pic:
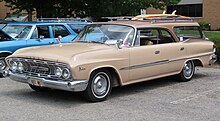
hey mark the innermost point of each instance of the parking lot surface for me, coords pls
(156, 100)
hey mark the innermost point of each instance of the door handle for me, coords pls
(157, 52)
(51, 42)
(182, 48)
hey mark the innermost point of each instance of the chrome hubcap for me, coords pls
(188, 69)
(100, 86)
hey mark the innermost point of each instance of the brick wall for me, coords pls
(211, 13)
(3, 10)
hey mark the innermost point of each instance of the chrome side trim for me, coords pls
(184, 58)
(74, 85)
(145, 65)
(161, 62)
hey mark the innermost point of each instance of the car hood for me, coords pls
(60, 52)
(4, 36)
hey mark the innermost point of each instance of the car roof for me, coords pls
(143, 24)
(44, 23)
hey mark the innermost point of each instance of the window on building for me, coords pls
(191, 10)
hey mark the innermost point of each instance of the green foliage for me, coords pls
(215, 37)
(218, 27)
(82, 8)
(204, 24)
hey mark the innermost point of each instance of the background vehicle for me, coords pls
(27, 34)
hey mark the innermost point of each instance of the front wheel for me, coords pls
(99, 86)
(187, 72)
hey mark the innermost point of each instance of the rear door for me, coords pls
(151, 55)
(62, 31)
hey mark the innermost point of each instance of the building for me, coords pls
(199, 10)
(6, 11)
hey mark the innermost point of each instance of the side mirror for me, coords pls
(181, 39)
(206, 38)
(119, 43)
(59, 39)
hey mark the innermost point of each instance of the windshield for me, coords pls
(107, 34)
(2, 25)
(17, 31)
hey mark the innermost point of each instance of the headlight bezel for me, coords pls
(20, 67)
(13, 66)
(59, 70)
(66, 75)
(2, 64)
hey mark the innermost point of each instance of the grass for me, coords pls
(215, 37)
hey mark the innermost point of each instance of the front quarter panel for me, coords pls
(84, 64)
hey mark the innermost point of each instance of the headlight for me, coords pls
(14, 66)
(58, 72)
(20, 67)
(2, 64)
(66, 73)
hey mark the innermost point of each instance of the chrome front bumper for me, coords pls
(75, 85)
(213, 58)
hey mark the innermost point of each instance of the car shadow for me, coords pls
(67, 99)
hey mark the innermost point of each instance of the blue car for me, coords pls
(16, 35)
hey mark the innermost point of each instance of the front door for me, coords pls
(41, 36)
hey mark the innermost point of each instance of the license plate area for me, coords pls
(36, 82)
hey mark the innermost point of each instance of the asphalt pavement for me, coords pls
(156, 100)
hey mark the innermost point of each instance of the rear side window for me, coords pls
(186, 32)
(77, 27)
(43, 32)
(153, 36)
(59, 30)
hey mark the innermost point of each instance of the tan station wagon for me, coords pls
(112, 54)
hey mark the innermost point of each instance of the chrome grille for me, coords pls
(39, 68)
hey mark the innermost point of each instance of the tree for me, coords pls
(83, 8)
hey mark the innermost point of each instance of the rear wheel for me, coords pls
(187, 72)
(39, 89)
(99, 87)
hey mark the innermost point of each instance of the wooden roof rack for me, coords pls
(162, 18)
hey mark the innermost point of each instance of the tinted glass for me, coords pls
(43, 32)
(59, 30)
(77, 27)
(191, 10)
(17, 31)
(188, 32)
(108, 34)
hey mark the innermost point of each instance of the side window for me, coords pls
(59, 30)
(43, 32)
(77, 27)
(147, 37)
(34, 34)
(165, 37)
(153, 36)
(187, 32)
